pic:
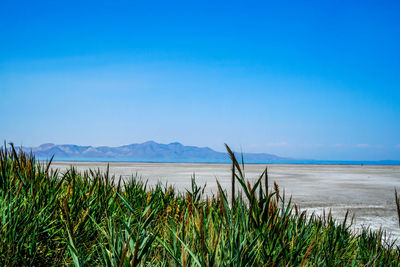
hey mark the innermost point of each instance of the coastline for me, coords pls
(281, 162)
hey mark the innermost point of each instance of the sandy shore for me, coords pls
(366, 191)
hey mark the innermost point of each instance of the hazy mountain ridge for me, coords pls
(147, 151)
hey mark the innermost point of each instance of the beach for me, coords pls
(366, 191)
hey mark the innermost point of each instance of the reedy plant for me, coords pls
(92, 218)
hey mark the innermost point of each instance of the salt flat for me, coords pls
(366, 191)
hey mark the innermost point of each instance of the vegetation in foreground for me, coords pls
(48, 218)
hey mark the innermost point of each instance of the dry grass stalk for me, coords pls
(233, 184)
(397, 205)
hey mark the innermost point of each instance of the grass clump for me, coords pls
(90, 218)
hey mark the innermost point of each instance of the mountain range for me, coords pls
(145, 152)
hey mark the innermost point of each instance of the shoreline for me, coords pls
(311, 163)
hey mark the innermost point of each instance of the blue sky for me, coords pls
(311, 79)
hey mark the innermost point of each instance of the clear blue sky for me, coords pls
(308, 79)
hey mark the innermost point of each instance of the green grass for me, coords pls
(90, 218)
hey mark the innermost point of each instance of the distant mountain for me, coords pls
(145, 152)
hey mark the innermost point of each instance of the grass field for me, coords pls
(90, 218)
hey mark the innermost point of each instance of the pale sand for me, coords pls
(366, 191)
